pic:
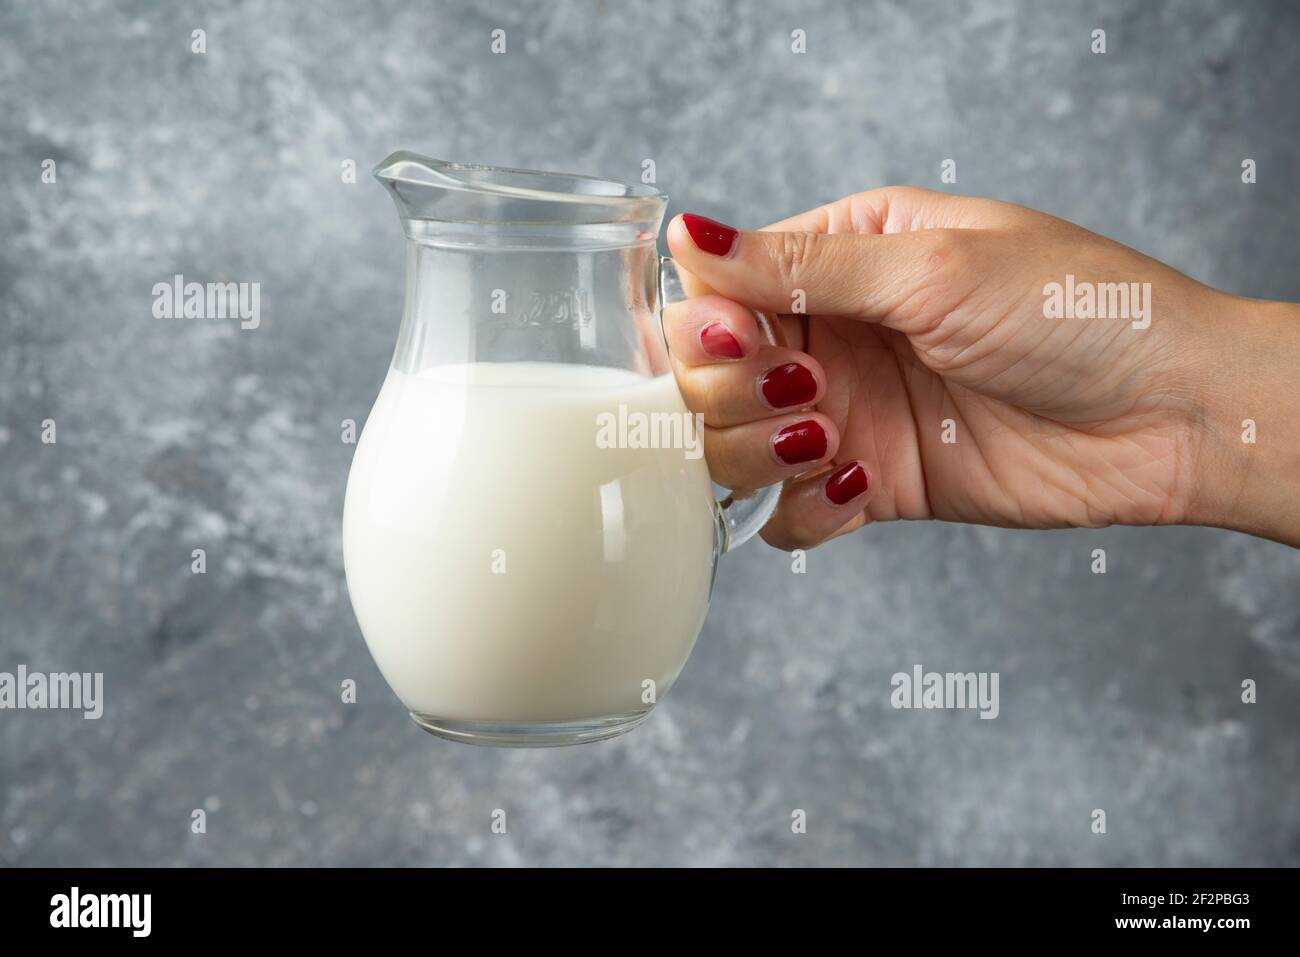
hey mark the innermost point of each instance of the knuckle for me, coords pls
(789, 532)
(676, 318)
(890, 209)
(803, 536)
(708, 402)
(898, 202)
(723, 460)
(775, 536)
(696, 399)
(788, 539)
(794, 254)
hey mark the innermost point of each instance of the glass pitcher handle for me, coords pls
(739, 518)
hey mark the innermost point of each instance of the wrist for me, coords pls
(1247, 473)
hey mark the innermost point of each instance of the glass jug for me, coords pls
(529, 531)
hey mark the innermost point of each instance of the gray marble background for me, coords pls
(1118, 691)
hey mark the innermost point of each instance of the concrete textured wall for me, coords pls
(1119, 691)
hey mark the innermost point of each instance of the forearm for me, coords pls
(1248, 458)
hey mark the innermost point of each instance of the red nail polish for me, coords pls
(720, 342)
(787, 385)
(846, 483)
(802, 442)
(709, 236)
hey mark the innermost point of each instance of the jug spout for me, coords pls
(467, 204)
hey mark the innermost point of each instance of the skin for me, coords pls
(923, 314)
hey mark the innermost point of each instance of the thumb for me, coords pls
(865, 277)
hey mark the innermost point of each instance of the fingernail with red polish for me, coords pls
(802, 442)
(709, 236)
(787, 385)
(720, 342)
(846, 483)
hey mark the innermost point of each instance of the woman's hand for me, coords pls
(937, 364)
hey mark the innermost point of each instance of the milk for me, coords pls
(502, 566)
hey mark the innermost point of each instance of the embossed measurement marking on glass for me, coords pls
(557, 306)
